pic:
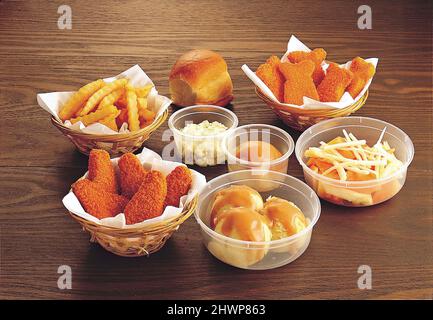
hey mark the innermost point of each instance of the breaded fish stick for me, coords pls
(101, 171)
(333, 86)
(132, 174)
(178, 183)
(299, 82)
(362, 72)
(270, 74)
(317, 56)
(148, 201)
(96, 201)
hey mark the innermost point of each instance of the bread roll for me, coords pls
(233, 197)
(242, 224)
(200, 77)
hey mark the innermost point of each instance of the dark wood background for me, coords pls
(38, 164)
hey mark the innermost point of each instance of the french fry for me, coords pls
(110, 121)
(121, 102)
(79, 98)
(93, 117)
(146, 115)
(142, 92)
(100, 94)
(141, 104)
(122, 117)
(111, 98)
(131, 100)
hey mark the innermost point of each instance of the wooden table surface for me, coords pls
(38, 164)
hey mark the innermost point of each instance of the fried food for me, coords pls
(78, 99)
(143, 92)
(178, 183)
(111, 104)
(100, 94)
(270, 74)
(333, 86)
(132, 174)
(111, 98)
(317, 56)
(110, 121)
(101, 171)
(122, 117)
(299, 82)
(148, 201)
(131, 106)
(146, 116)
(96, 116)
(97, 201)
(362, 72)
(141, 104)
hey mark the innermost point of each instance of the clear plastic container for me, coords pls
(258, 255)
(201, 150)
(239, 160)
(356, 193)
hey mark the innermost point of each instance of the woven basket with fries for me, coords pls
(114, 144)
(139, 241)
(300, 119)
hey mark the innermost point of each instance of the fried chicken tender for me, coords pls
(333, 86)
(178, 183)
(317, 56)
(299, 81)
(362, 72)
(132, 174)
(148, 201)
(270, 74)
(101, 171)
(96, 201)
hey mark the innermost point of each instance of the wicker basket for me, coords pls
(136, 242)
(301, 119)
(114, 144)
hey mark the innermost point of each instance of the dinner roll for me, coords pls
(233, 197)
(200, 77)
(241, 224)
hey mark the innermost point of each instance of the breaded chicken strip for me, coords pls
(101, 171)
(96, 201)
(317, 56)
(132, 174)
(333, 86)
(148, 201)
(178, 183)
(270, 74)
(362, 72)
(299, 82)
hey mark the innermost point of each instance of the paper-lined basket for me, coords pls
(98, 136)
(312, 111)
(142, 238)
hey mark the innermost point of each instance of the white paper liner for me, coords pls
(296, 45)
(52, 101)
(150, 160)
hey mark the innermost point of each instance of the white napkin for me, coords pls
(295, 44)
(52, 101)
(150, 160)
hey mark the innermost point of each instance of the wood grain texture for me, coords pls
(37, 164)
